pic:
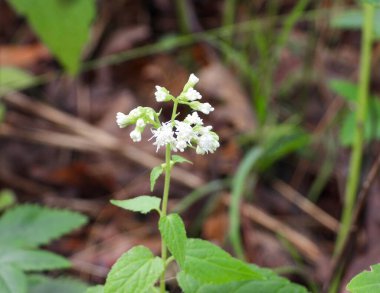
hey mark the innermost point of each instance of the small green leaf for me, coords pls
(7, 198)
(12, 79)
(142, 204)
(95, 289)
(12, 280)
(180, 159)
(32, 260)
(32, 225)
(210, 264)
(64, 26)
(134, 272)
(366, 282)
(345, 89)
(43, 284)
(173, 232)
(353, 19)
(156, 172)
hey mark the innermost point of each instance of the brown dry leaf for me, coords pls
(23, 56)
(218, 82)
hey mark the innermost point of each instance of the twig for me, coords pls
(305, 245)
(306, 205)
(101, 138)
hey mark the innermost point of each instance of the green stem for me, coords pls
(165, 198)
(361, 111)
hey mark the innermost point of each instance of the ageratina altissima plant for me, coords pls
(174, 134)
(201, 266)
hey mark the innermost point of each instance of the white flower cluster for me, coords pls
(177, 134)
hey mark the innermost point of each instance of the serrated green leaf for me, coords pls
(353, 19)
(64, 26)
(95, 289)
(32, 260)
(272, 284)
(32, 225)
(366, 282)
(142, 204)
(208, 263)
(173, 232)
(154, 174)
(43, 284)
(12, 280)
(134, 272)
(12, 79)
(180, 159)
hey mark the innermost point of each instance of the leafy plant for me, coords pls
(366, 282)
(22, 230)
(202, 265)
(65, 38)
(349, 91)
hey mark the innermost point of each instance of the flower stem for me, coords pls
(165, 198)
(361, 111)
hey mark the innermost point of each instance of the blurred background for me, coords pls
(282, 76)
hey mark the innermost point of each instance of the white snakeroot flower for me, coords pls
(122, 120)
(164, 135)
(184, 134)
(140, 123)
(207, 142)
(135, 135)
(193, 80)
(205, 108)
(194, 119)
(161, 94)
(193, 95)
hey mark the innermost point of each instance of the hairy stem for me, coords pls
(165, 198)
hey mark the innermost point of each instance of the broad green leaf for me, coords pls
(32, 260)
(156, 172)
(134, 272)
(43, 284)
(353, 19)
(63, 25)
(95, 289)
(180, 159)
(12, 78)
(173, 232)
(7, 198)
(12, 280)
(142, 204)
(272, 284)
(208, 263)
(32, 225)
(372, 2)
(366, 282)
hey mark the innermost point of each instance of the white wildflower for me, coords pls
(122, 120)
(135, 135)
(194, 119)
(184, 134)
(164, 135)
(193, 80)
(192, 95)
(161, 94)
(207, 142)
(206, 108)
(140, 123)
